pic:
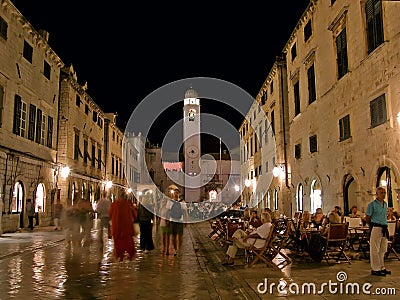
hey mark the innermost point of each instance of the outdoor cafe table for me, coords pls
(361, 234)
(315, 244)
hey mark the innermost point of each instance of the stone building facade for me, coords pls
(81, 143)
(339, 107)
(29, 79)
(343, 70)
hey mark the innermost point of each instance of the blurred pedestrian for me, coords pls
(376, 217)
(102, 209)
(58, 208)
(30, 212)
(146, 217)
(122, 227)
(178, 220)
(164, 227)
(86, 214)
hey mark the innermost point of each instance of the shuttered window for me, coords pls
(32, 122)
(373, 11)
(311, 84)
(344, 128)
(341, 53)
(49, 132)
(378, 111)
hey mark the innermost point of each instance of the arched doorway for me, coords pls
(299, 197)
(315, 195)
(385, 180)
(40, 197)
(17, 203)
(349, 193)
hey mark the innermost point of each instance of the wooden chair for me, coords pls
(264, 253)
(335, 242)
(392, 240)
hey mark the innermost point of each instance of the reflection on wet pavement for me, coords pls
(74, 271)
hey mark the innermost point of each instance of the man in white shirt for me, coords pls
(242, 240)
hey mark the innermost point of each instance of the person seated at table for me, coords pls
(253, 216)
(305, 224)
(242, 239)
(354, 213)
(246, 214)
(319, 218)
(334, 217)
(390, 214)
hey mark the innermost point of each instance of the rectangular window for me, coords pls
(100, 122)
(260, 135)
(116, 167)
(94, 116)
(307, 31)
(293, 51)
(32, 122)
(49, 132)
(85, 151)
(313, 144)
(43, 130)
(251, 146)
(112, 165)
(78, 101)
(264, 98)
(27, 52)
(296, 90)
(266, 167)
(19, 125)
(271, 87)
(341, 53)
(344, 128)
(297, 151)
(378, 111)
(46, 69)
(254, 114)
(266, 125)
(86, 109)
(273, 122)
(3, 28)
(93, 155)
(373, 11)
(99, 161)
(77, 151)
(311, 84)
(39, 116)
(1, 105)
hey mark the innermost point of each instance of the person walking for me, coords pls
(30, 212)
(86, 211)
(164, 227)
(102, 209)
(122, 227)
(58, 209)
(376, 217)
(146, 218)
(178, 219)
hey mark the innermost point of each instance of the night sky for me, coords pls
(125, 51)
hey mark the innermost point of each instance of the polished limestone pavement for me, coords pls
(41, 265)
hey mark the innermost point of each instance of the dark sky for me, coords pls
(126, 50)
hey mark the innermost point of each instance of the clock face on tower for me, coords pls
(192, 151)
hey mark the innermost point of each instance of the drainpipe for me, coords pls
(283, 122)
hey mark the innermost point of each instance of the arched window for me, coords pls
(315, 195)
(276, 199)
(39, 198)
(18, 197)
(299, 197)
(73, 194)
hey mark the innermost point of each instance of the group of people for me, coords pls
(119, 218)
(377, 217)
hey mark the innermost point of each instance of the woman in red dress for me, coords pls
(122, 227)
